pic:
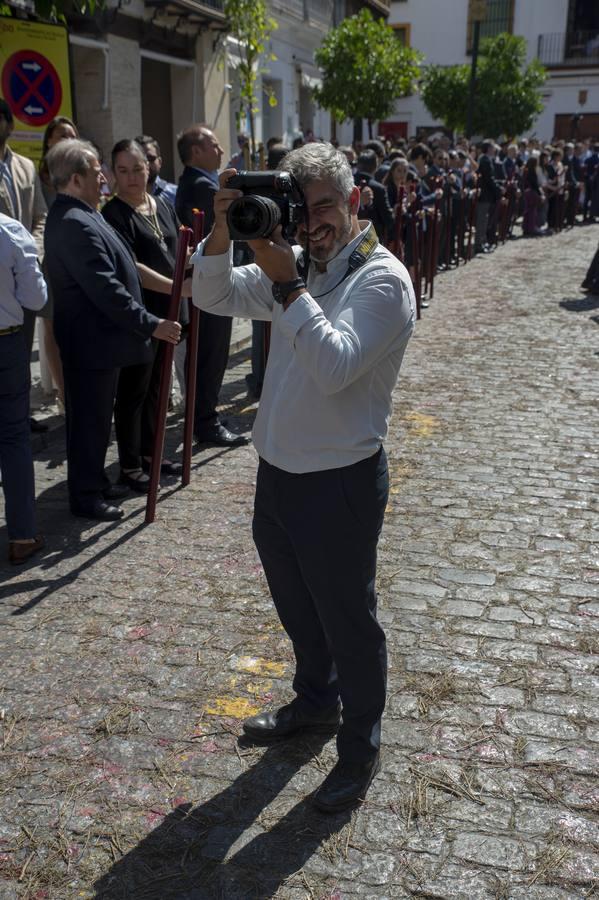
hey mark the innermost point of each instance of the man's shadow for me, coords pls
(222, 848)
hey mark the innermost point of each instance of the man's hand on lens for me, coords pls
(167, 331)
(223, 199)
(275, 257)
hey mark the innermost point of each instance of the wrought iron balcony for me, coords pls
(570, 48)
(194, 11)
(378, 7)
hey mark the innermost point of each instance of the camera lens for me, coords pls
(252, 217)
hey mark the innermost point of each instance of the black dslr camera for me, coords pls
(269, 199)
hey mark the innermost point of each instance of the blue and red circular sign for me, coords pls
(31, 87)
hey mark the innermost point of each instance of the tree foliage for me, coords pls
(57, 10)
(365, 69)
(507, 91)
(249, 23)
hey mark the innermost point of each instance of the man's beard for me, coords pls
(326, 256)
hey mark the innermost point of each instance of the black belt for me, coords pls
(11, 329)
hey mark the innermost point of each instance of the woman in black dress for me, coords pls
(149, 227)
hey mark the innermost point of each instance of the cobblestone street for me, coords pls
(129, 655)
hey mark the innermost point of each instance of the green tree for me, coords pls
(56, 9)
(507, 92)
(248, 21)
(365, 69)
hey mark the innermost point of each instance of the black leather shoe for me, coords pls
(166, 467)
(345, 785)
(222, 437)
(100, 510)
(281, 723)
(115, 492)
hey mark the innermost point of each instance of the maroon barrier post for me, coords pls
(448, 226)
(398, 249)
(425, 247)
(192, 361)
(435, 238)
(471, 218)
(165, 375)
(414, 213)
(461, 251)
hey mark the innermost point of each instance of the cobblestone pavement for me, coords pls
(129, 655)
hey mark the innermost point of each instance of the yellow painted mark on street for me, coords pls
(258, 687)
(398, 472)
(235, 707)
(258, 666)
(421, 424)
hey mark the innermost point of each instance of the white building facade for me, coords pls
(289, 77)
(563, 34)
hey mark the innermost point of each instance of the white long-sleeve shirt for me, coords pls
(333, 362)
(22, 284)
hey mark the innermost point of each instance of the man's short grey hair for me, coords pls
(68, 158)
(319, 161)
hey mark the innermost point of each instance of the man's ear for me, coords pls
(354, 200)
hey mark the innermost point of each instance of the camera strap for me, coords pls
(357, 258)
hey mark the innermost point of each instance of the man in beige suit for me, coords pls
(21, 198)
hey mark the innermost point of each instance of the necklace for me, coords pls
(151, 218)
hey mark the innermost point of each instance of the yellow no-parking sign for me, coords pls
(34, 79)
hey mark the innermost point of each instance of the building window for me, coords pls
(402, 33)
(499, 18)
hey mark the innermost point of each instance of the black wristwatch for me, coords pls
(282, 289)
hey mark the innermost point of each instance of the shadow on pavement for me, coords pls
(580, 304)
(221, 848)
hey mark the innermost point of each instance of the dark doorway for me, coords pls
(156, 110)
(567, 129)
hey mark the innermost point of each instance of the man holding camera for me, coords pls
(339, 332)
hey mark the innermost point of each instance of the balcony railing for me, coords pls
(196, 11)
(571, 48)
(382, 6)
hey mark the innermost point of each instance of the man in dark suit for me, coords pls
(100, 321)
(379, 211)
(574, 176)
(489, 195)
(201, 154)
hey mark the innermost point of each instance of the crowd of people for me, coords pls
(440, 203)
(102, 268)
(105, 234)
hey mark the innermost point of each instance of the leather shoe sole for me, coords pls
(345, 786)
(19, 553)
(268, 727)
